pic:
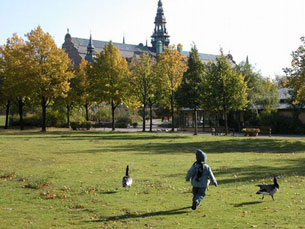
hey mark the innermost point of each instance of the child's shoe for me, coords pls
(194, 205)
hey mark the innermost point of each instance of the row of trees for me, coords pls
(36, 71)
(222, 87)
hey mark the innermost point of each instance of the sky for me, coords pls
(267, 31)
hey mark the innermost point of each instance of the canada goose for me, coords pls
(268, 189)
(127, 180)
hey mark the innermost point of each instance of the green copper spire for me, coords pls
(90, 50)
(160, 32)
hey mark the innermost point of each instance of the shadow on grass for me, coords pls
(180, 144)
(247, 203)
(222, 146)
(91, 135)
(247, 173)
(175, 143)
(108, 192)
(177, 211)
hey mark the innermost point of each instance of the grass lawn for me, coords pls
(2, 120)
(73, 179)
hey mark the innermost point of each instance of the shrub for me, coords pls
(54, 118)
(77, 115)
(122, 122)
(74, 125)
(82, 125)
(103, 114)
(281, 124)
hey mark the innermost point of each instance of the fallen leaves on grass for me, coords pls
(33, 182)
(91, 189)
(77, 206)
(7, 175)
(49, 195)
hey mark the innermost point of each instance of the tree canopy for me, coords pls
(223, 89)
(17, 81)
(50, 67)
(110, 75)
(142, 81)
(296, 74)
(262, 92)
(188, 93)
(171, 66)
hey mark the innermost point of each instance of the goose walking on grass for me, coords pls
(127, 180)
(269, 189)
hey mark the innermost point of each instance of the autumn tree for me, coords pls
(50, 68)
(171, 66)
(72, 98)
(3, 99)
(82, 80)
(18, 83)
(188, 93)
(296, 75)
(223, 89)
(142, 81)
(109, 75)
(78, 94)
(157, 90)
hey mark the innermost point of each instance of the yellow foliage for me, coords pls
(171, 66)
(50, 65)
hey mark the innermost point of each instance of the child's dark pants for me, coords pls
(199, 194)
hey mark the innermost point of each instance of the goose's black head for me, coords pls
(127, 171)
(275, 181)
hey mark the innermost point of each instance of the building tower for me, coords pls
(160, 32)
(90, 50)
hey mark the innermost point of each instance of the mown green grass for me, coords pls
(73, 179)
(2, 120)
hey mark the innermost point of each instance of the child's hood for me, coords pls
(201, 156)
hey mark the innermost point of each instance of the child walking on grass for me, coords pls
(199, 174)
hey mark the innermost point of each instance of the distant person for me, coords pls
(199, 174)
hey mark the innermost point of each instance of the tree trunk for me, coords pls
(7, 113)
(196, 127)
(143, 116)
(203, 123)
(238, 120)
(20, 110)
(44, 113)
(68, 115)
(112, 114)
(87, 111)
(150, 116)
(172, 112)
(226, 121)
